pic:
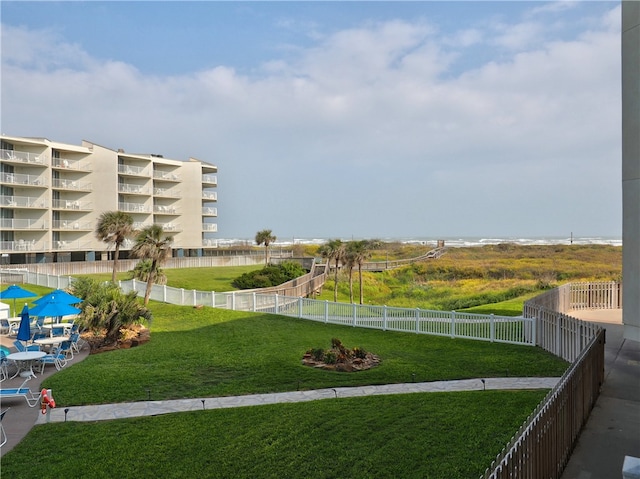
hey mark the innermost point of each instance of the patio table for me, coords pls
(51, 341)
(24, 360)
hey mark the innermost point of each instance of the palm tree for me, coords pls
(349, 261)
(333, 250)
(361, 251)
(113, 228)
(152, 244)
(265, 238)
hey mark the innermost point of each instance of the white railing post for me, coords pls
(182, 296)
(233, 301)
(300, 307)
(453, 324)
(194, 297)
(326, 311)
(384, 317)
(164, 293)
(354, 314)
(276, 304)
(254, 298)
(417, 313)
(492, 328)
(213, 299)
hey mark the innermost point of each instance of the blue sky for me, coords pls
(342, 119)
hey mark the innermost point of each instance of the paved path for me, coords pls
(152, 408)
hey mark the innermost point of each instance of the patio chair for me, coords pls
(3, 435)
(4, 366)
(21, 347)
(58, 359)
(66, 349)
(77, 343)
(5, 326)
(21, 392)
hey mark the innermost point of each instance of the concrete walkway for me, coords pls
(153, 408)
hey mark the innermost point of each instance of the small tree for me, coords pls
(265, 238)
(152, 244)
(113, 228)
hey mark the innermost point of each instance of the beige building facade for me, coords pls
(52, 195)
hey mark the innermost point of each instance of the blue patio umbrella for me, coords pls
(53, 307)
(59, 295)
(16, 292)
(24, 330)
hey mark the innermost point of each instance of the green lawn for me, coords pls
(210, 352)
(202, 279)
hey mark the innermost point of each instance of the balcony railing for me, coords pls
(66, 245)
(133, 170)
(63, 184)
(21, 179)
(69, 164)
(23, 202)
(22, 224)
(210, 211)
(171, 227)
(72, 225)
(24, 157)
(166, 192)
(133, 189)
(71, 205)
(165, 210)
(22, 245)
(209, 227)
(164, 175)
(138, 225)
(134, 208)
(210, 195)
(210, 179)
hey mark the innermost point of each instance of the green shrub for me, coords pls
(271, 275)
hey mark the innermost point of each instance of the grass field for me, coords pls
(207, 352)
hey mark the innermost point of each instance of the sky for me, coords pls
(343, 119)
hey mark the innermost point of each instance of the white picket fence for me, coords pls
(483, 327)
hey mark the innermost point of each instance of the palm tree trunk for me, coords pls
(335, 284)
(360, 278)
(147, 293)
(351, 285)
(116, 253)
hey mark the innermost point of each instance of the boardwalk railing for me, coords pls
(543, 445)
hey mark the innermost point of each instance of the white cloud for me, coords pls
(366, 133)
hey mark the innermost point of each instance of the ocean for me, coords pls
(451, 241)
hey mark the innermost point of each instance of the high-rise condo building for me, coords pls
(52, 195)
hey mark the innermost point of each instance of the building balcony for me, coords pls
(134, 189)
(22, 245)
(209, 211)
(210, 195)
(31, 202)
(75, 205)
(23, 158)
(130, 170)
(134, 208)
(73, 245)
(70, 164)
(166, 193)
(19, 179)
(22, 224)
(209, 180)
(210, 227)
(63, 184)
(72, 225)
(166, 176)
(165, 210)
(171, 227)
